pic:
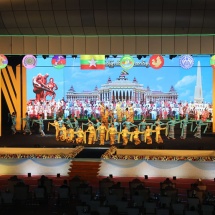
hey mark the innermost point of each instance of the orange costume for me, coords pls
(112, 132)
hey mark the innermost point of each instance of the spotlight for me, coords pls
(114, 56)
(146, 177)
(172, 56)
(58, 175)
(139, 57)
(45, 56)
(174, 177)
(110, 176)
(74, 56)
(29, 174)
(107, 56)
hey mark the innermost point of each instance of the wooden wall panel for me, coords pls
(117, 45)
(155, 45)
(194, 44)
(30, 45)
(167, 45)
(6, 45)
(92, 45)
(181, 45)
(42, 45)
(206, 45)
(79, 45)
(67, 45)
(104, 45)
(142, 45)
(17, 45)
(129, 45)
(54, 45)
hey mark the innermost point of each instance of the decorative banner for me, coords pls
(156, 61)
(91, 62)
(58, 61)
(3, 61)
(126, 62)
(186, 61)
(212, 61)
(29, 61)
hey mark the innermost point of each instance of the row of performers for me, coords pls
(100, 132)
(141, 127)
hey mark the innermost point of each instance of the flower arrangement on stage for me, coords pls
(44, 156)
(112, 154)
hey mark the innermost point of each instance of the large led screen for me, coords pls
(155, 85)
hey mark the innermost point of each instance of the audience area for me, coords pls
(106, 196)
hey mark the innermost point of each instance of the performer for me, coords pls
(41, 125)
(13, 119)
(111, 134)
(68, 123)
(116, 125)
(97, 125)
(92, 134)
(63, 132)
(102, 130)
(88, 122)
(75, 123)
(128, 124)
(131, 113)
(119, 113)
(183, 126)
(135, 136)
(106, 116)
(171, 130)
(148, 132)
(80, 136)
(70, 135)
(158, 137)
(142, 127)
(56, 125)
(157, 121)
(125, 135)
(198, 128)
(27, 124)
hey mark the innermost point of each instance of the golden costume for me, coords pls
(158, 137)
(56, 125)
(111, 133)
(102, 130)
(135, 137)
(63, 134)
(92, 134)
(148, 138)
(125, 134)
(80, 136)
(70, 135)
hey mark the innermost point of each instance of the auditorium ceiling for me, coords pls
(106, 17)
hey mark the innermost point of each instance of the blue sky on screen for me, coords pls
(171, 74)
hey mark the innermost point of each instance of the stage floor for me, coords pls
(207, 142)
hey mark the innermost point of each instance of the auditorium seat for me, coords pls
(178, 208)
(207, 209)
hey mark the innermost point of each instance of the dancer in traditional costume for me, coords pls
(183, 126)
(13, 119)
(56, 125)
(148, 133)
(75, 123)
(171, 128)
(63, 132)
(70, 135)
(102, 131)
(41, 125)
(97, 125)
(80, 136)
(158, 137)
(27, 128)
(125, 135)
(135, 136)
(92, 134)
(198, 133)
(111, 134)
(142, 127)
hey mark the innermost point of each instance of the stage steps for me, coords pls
(86, 170)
